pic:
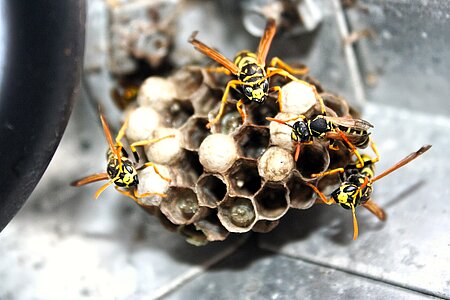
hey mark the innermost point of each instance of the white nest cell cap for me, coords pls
(151, 182)
(218, 152)
(156, 92)
(167, 151)
(297, 97)
(141, 123)
(276, 164)
(280, 134)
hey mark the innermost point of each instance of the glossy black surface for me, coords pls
(40, 68)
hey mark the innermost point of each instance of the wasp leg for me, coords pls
(119, 138)
(297, 152)
(375, 209)
(279, 97)
(273, 71)
(231, 84)
(149, 194)
(375, 150)
(135, 196)
(282, 65)
(320, 194)
(330, 172)
(121, 132)
(333, 146)
(146, 142)
(126, 193)
(241, 109)
(297, 149)
(150, 164)
(352, 147)
(218, 70)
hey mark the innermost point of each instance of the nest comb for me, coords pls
(234, 177)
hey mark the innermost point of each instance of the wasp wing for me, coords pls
(375, 209)
(357, 124)
(266, 40)
(213, 54)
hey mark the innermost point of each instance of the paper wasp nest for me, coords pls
(233, 177)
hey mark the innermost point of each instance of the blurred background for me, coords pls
(390, 59)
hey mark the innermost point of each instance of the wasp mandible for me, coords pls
(120, 170)
(250, 72)
(356, 186)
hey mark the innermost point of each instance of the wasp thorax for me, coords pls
(319, 126)
(123, 174)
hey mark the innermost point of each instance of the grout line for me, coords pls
(350, 56)
(196, 271)
(354, 273)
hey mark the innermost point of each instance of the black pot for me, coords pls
(41, 55)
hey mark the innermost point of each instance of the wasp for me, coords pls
(120, 170)
(124, 93)
(354, 132)
(356, 185)
(251, 77)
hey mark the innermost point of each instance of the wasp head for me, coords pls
(123, 174)
(300, 132)
(346, 195)
(257, 92)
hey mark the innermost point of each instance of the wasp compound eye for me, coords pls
(248, 91)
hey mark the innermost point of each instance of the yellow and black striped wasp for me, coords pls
(120, 170)
(354, 132)
(250, 72)
(356, 185)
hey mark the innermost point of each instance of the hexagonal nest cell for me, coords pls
(206, 206)
(237, 214)
(253, 141)
(244, 177)
(211, 190)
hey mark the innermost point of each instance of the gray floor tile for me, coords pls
(412, 248)
(258, 274)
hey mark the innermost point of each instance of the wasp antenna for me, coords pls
(101, 189)
(403, 162)
(90, 179)
(423, 149)
(193, 36)
(355, 224)
(279, 121)
(366, 181)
